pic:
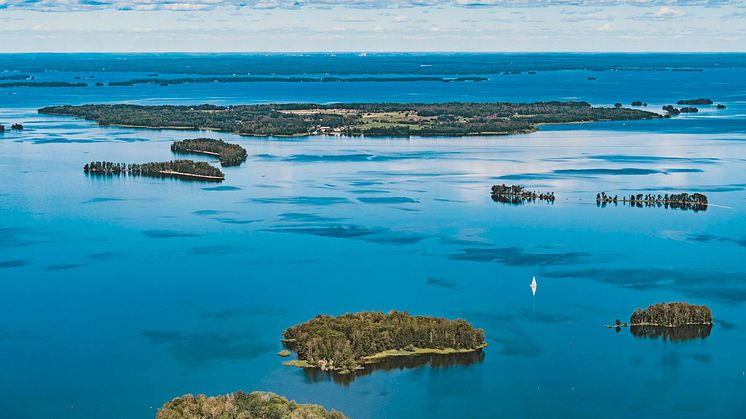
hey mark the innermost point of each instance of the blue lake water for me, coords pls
(119, 294)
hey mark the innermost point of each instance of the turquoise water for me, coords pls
(119, 294)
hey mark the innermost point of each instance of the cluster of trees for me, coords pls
(700, 101)
(229, 154)
(685, 201)
(17, 127)
(174, 168)
(674, 314)
(254, 79)
(341, 343)
(671, 110)
(446, 119)
(240, 405)
(688, 109)
(720, 106)
(516, 194)
(639, 103)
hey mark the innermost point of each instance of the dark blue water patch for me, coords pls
(303, 200)
(12, 335)
(621, 158)
(527, 176)
(712, 238)
(302, 217)
(237, 221)
(457, 241)
(630, 171)
(517, 256)
(449, 200)
(222, 188)
(18, 263)
(63, 266)
(101, 199)
(168, 234)
(229, 313)
(364, 183)
(726, 287)
(368, 191)
(364, 157)
(385, 174)
(351, 231)
(17, 237)
(216, 250)
(443, 283)
(387, 200)
(104, 255)
(725, 324)
(683, 170)
(207, 212)
(201, 347)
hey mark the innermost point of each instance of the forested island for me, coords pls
(372, 119)
(185, 169)
(672, 321)
(700, 101)
(254, 79)
(229, 154)
(345, 343)
(684, 201)
(240, 405)
(516, 194)
(42, 84)
(16, 77)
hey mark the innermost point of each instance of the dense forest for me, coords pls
(240, 405)
(700, 101)
(684, 201)
(175, 168)
(343, 343)
(373, 119)
(515, 194)
(229, 154)
(250, 79)
(672, 315)
(16, 77)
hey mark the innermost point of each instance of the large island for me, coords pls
(343, 344)
(373, 119)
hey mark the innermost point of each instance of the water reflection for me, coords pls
(694, 331)
(313, 375)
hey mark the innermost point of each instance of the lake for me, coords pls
(121, 293)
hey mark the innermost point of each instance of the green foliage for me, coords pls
(341, 343)
(240, 405)
(672, 315)
(516, 194)
(435, 119)
(229, 154)
(174, 168)
(700, 101)
(42, 84)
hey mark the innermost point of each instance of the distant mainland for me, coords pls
(371, 119)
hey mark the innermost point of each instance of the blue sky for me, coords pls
(372, 25)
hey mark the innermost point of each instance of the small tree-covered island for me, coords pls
(183, 169)
(676, 314)
(229, 154)
(345, 343)
(516, 194)
(373, 119)
(256, 405)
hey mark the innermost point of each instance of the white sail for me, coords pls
(533, 286)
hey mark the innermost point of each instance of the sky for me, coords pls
(372, 25)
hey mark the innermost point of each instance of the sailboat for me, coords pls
(533, 286)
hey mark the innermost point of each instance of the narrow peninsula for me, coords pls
(344, 344)
(229, 154)
(371, 119)
(256, 405)
(183, 169)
